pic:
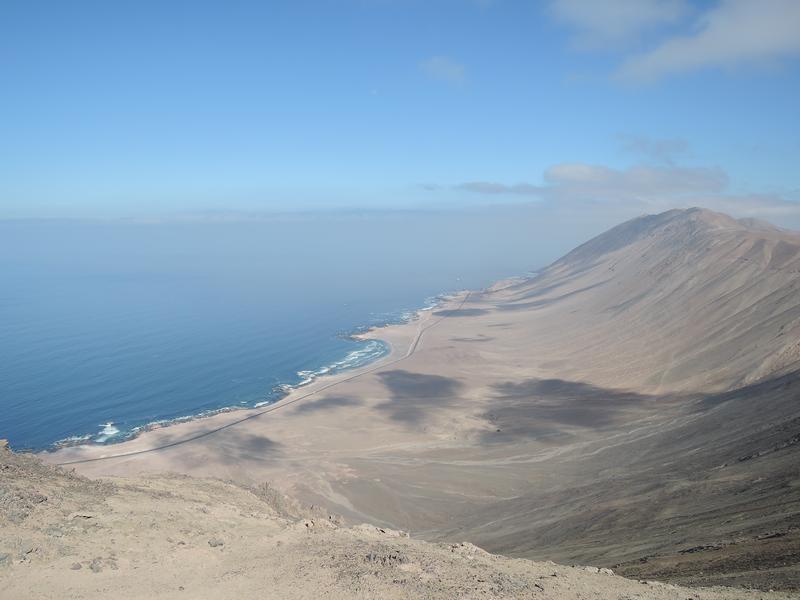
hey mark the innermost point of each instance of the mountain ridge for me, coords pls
(682, 263)
(634, 406)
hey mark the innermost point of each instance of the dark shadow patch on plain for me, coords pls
(232, 448)
(327, 403)
(415, 395)
(781, 384)
(542, 408)
(461, 312)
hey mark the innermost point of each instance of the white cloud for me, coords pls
(734, 33)
(601, 190)
(581, 181)
(604, 183)
(612, 22)
(444, 69)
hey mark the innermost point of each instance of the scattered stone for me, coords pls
(96, 566)
(381, 530)
(5, 559)
(606, 572)
(54, 532)
(389, 559)
(215, 542)
(76, 566)
(591, 569)
(3, 444)
(80, 516)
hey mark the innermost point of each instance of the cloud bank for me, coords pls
(727, 34)
(613, 22)
(734, 33)
(640, 188)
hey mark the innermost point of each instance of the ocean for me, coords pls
(108, 326)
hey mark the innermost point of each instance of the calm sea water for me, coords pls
(108, 326)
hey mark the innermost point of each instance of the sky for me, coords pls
(131, 109)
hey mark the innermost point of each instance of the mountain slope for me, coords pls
(684, 300)
(178, 537)
(635, 406)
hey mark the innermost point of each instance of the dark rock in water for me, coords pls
(215, 542)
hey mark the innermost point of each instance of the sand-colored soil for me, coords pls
(635, 406)
(180, 537)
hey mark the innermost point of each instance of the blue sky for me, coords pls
(153, 108)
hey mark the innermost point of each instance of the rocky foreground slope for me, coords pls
(64, 536)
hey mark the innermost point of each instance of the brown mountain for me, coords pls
(696, 316)
(636, 405)
(684, 300)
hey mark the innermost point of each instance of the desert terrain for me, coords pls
(64, 536)
(635, 406)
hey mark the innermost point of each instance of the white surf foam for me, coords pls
(107, 432)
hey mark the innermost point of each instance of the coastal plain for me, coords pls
(634, 406)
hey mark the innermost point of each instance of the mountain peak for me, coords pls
(694, 215)
(678, 227)
(720, 220)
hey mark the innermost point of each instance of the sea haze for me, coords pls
(108, 326)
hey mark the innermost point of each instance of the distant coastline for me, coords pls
(373, 351)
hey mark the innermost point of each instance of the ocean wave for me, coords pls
(371, 350)
(107, 432)
(405, 315)
(368, 352)
(73, 440)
